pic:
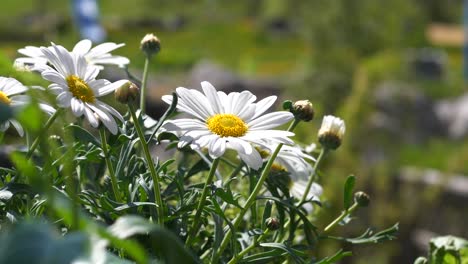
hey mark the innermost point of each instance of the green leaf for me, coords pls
(292, 253)
(31, 118)
(266, 213)
(333, 259)
(133, 205)
(168, 112)
(348, 191)
(5, 113)
(33, 242)
(167, 246)
(227, 196)
(369, 237)
(82, 135)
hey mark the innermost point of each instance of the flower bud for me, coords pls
(150, 45)
(272, 223)
(127, 93)
(362, 199)
(303, 110)
(331, 132)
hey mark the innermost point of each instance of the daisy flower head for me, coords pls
(75, 84)
(221, 121)
(11, 96)
(100, 55)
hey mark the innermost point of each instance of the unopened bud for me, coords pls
(362, 199)
(272, 223)
(150, 45)
(303, 110)
(331, 132)
(127, 93)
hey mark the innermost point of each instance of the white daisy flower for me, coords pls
(99, 55)
(74, 82)
(11, 95)
(223, 121)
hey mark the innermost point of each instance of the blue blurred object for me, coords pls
(86, 15)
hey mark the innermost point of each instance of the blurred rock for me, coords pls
(454, 114)
(405, 112)
(429, 63)
(228, 81)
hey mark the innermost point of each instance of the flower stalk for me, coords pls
(201, 203)
(149, 161)
(341, 217)
(45, 128)
(322, 154)
(143, 85)
(110, 168)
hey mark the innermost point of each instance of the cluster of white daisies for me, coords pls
(217, 122)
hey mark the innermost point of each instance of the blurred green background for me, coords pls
(391, 69)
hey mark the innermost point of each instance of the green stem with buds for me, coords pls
(341, 217)
(201, 203)
(143, 85)
(322, 154)
(110, 168)
(149, 161)
(252, 197)
(45, 128)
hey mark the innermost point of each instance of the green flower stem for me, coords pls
(255, 243)
(252, 197)
(110, 168)
(322, 154)
(149, 160)
(201, 203)
(45, 128)
(341, 217)
(143, 85)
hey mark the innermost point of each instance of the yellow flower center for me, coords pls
(80, 89)
(227, 125)
(278, 167)
(4, 98)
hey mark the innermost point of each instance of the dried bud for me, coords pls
(303, 110)
(331, 132)
(272, 223)
(150, 45)
(362, 199)
(127, 93)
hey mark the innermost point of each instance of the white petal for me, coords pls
(263, 105)
(91, 117)
(212, 97)
(77, 107)
(114, 60)
(110, 88)
(217, 147)
(270, 120)
(110, 110)
(18, 127)
(253, 160)
(184, 124)
(102, 49)
(82, 47)
(194, 103)
(54, 77)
